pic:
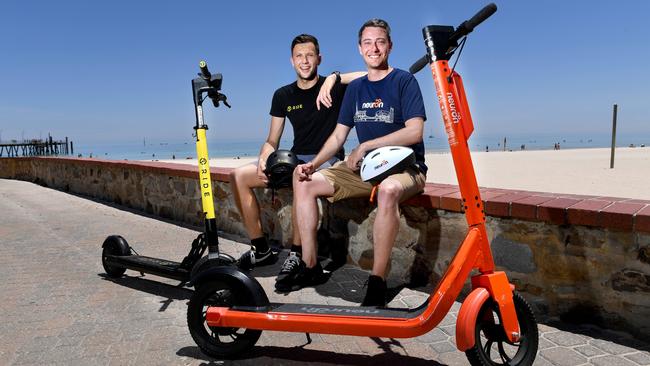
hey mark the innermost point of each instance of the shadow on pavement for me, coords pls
(273, 355)
(597, 332)
(168, 291)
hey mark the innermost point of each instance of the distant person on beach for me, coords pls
(300, 102)
(386, 108)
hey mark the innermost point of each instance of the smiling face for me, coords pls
(375, 46)
(305, 60)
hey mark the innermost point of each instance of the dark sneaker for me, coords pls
(252, 258)
(376, 292)
(290, 268)
(295, 275)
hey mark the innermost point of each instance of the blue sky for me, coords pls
(121, 70)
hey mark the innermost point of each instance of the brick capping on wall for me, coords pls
(616, 213)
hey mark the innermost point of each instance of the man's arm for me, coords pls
(409, 135)
(325, 93)
(331, 147)
(270, 145)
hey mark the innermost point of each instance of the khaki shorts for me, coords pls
(348, 183)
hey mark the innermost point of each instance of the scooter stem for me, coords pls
(204, 172)
(209, 84)
(459, 127)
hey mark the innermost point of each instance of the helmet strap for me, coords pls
(373, 193)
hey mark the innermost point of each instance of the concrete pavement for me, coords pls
(58, 308)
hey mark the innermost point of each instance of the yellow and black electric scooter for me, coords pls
(118, 255)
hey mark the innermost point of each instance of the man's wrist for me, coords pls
(337, 76)
(363, 148)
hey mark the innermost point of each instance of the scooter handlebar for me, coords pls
(419, 64)
(205, 73)
(468, 26)
(462, 30)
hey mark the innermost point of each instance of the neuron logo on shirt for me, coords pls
(376, 104)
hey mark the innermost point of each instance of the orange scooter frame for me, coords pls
(474, 253)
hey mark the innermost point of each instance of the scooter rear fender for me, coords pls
(120, 242)
(233, 277)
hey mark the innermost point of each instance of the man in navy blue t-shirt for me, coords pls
(386, 108)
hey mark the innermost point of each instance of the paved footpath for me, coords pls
(58, 308)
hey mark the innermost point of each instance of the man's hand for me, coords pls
(305, 171)
(356, 157)
(325, 95)
(261, 167)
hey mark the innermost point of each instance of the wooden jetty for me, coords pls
(36, 148)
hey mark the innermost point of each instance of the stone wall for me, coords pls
(580, 258)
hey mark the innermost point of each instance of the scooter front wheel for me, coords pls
(492, 346)
(219, 342)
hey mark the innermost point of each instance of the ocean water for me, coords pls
(156, 150)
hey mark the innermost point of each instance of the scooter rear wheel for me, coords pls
(493, 348)
(219, 342)
(114, 245)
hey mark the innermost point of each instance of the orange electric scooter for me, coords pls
(495, 325)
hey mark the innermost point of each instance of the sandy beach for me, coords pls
(575, 171)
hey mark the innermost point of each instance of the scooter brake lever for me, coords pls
(224, 99)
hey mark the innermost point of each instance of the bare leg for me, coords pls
(386, 225)
(305, 194)
(294, 223)
(242, 182)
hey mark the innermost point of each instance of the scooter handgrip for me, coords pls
(477, 19)
(419, 64)
(205, 73)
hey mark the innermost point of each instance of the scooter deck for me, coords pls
(365, 311)
(366, 321)
(347, 311)
(156, 266)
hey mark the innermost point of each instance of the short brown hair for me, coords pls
(305, 38)
(375, 22)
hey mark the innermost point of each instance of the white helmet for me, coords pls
(385, 161)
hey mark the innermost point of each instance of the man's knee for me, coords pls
(301, 188)
(244, 176)
(317, 186)
(234, 176)
(389, 193)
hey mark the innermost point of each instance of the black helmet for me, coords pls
(279, 168)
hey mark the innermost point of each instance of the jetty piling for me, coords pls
(36, 147)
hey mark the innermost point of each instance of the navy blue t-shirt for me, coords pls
(378, 108)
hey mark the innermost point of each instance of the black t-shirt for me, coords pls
(311, 127)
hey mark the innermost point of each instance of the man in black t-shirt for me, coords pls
(300, 102)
